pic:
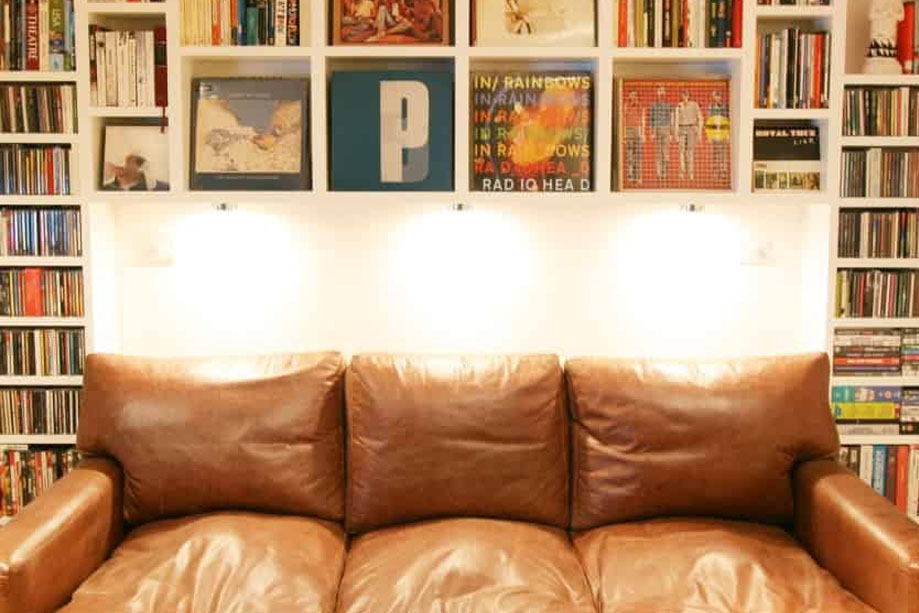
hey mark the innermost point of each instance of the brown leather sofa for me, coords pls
(292, 484)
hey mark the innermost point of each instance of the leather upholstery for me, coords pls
(667, 438)
(220, 563)
(60, 539)
(871, 547)
(706, 566)
(200, 435)
(464, 566)
(467, 436)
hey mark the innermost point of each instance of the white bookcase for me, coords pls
(852, 27)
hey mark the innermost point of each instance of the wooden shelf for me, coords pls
(127, 112)
(26, 76)
(785, 13)
(42, 381)
(881, 80)
(42, 322)
(126, 8)
(669, 54)
(41, 262)
(880, 141)
(792, 114)
(38, 439)
(237, 52)
(40, 139)
(877, 263)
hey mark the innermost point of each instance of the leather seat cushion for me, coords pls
(706, 566)
(220, 563)
(464, 566)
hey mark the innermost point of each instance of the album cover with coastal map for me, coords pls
(250, 135)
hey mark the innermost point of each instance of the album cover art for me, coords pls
(532, 131)
(674, 134)
(391, 22)
(250, 134)
(136, 159)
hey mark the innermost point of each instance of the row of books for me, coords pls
(32, 108)
(127, 68)
(53, 411)
(33, 232)
(25, 474)
(891, 470)
(875, 352)
(48, 352)
(875, 410)
(35, 170)
(879, 234)
(41, 292)
(880, 173)
(907, 39)
(680, 23)
(37, 35)
(793, 70)
(241, 22)
(877, 293)
(881, 111)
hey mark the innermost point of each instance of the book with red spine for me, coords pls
(34, 302)
(33, 54)
(902, 477)
(160, 69)
(737, 29)
(906, 32)
(623, 23)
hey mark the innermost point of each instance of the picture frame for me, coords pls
(534, 23)
(250, 134)
(135, 158)
(391, 22)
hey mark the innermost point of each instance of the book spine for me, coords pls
(161, 69)
(623, 38)
(252, 22)
(43, 35)
(293, 23)
(879, 469)
(737, 26)
(905, 34)
(57, 34)
(902, 477)
(32, 53)
(280, 23)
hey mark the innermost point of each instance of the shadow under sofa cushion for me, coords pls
(706, 566)
(220, 563)
(464, 566)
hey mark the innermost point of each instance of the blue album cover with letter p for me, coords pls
(392, 131)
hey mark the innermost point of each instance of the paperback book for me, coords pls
(532, 131)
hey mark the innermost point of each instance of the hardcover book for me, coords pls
(532, 131)
(392, 131)
(250, 134)
(535, 23)
(391, 22)
(786, 158)
(674, 134)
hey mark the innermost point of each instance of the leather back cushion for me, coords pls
(464, 436)
(656, 438)
(200, 435)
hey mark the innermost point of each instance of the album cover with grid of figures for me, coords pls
(673, 134)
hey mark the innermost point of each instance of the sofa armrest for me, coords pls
(61, 538)
(857, 535)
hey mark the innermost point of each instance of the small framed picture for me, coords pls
(391, 22)
(136, 159)
(250, 135)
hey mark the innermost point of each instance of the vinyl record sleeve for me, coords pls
(535, 23)
(250, 135)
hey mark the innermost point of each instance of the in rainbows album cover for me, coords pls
(532, 131)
